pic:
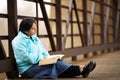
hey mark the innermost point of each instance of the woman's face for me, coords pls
(32, 30)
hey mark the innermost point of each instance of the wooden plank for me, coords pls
(106, 23)
(58, 25)
(87, 49)
(85, 24)
(3, 37)
(67, 24)
(78, 22)
(102, 21)
(37, 20)
(3, 15)
(12, 22)
(7, 65)
(84, 7)
(2, 52)
(117, 22)
(74, 58)
(45, 17)
(90, 27)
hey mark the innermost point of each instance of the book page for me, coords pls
(50, 59)
(60, 56)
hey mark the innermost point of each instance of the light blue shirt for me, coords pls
(27, 51)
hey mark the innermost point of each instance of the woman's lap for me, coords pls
(47, 71)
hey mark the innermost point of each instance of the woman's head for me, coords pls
(28, 26)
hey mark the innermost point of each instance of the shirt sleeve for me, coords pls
(44, 51)
(22, 53)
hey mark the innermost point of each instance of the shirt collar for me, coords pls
(23, 35)
(33, 37)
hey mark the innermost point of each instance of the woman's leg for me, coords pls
(72, 71)
(83, 70)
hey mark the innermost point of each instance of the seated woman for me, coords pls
(28, 51)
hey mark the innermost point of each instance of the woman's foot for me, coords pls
(88, 68)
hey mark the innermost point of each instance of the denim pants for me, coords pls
(47, 71)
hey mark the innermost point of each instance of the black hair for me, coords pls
(26, 24)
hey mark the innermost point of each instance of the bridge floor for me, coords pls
(108, 67)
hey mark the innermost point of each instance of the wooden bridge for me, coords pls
(101, 33)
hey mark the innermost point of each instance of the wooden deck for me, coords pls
(108, 68)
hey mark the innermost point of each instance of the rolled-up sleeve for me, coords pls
(42, 48)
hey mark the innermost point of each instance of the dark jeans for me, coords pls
(72, 71)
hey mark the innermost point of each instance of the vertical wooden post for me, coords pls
(74, 58)
(58, 25)
(12, 30)
(85, 24)
(90, 27)
(102, 23)
(67, 24)
(117, 22)
(72, 38)
(12, 22)
(106, 23)
(37, 18)
(84, 7)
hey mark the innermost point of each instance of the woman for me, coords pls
(28, 51)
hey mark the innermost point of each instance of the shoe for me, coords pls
(88, 68)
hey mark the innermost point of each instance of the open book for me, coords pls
(50, 59)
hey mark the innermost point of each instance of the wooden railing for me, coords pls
(88, 49)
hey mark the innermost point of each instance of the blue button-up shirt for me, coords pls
(27, 51)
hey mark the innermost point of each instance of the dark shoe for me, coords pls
(88, 68)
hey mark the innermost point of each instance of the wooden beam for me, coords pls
(84, 7)
(67, 24)
(45, 17)
(78, 22)
(12, 31)
(87, 49)
(3, 15)
(85, 24)
(3, 37)
(37, 20)
(2, 51)
(90, 27)
(117, 22)
(58, 25)
(7, 65)
(72, 27)
(74, 58)
(12, 23)
(102, 21)
(106, 23)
